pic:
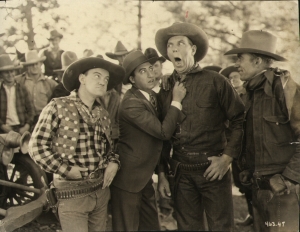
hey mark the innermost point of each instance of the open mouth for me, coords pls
(177, 59)
(151, 81)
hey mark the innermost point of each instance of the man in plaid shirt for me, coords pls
(72, 140)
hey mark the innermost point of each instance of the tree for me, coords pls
(28, 18)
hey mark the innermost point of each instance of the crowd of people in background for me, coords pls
(104, 129)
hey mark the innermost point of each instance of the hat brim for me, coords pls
(226, 71)
(70, 78)
(58, 70)
(58, 36)
(133, 66)
(33, 61)
(193, 32)
(154, 59)
(115, 55)
(10, 67)
(251, 50)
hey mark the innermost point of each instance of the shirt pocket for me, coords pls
(277, 130)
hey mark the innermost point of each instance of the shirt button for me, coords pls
(277, 123)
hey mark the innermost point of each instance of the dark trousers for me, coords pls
(134, 211)
(275, 213)
(193, 190)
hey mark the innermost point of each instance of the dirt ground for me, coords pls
(47, 222)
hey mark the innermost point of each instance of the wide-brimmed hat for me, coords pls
(131, 62)
(54, 34)
(120, 50)
(6, 64)
(152, 55)
(67, 58)
(226, 71)
(70, 78)
(215, 68)
(193, 32)
(32, 57)
(260, 42)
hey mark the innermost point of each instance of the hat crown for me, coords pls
(5, 61)
(259, 40)
(68, 58)
(31, 56)
(120, 47)
(151, 53)
(54, 34)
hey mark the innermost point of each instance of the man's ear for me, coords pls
(131, 79)
(194, 49)
(82, 79)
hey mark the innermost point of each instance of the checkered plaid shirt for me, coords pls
(40, 146)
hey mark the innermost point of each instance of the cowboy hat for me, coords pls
(260, 42)
(67, 58)
(54, 34)
(193, 32)
(32, 57)
(6, 64)
(215, 68)
(70, 78)
(152, 55)
(120, 50)
(226, 71)
(131, 62)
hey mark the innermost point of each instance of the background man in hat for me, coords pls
(201, 157)
(232, 73)
(16, 106)
(119, 54)
(52, 54)
(67, 58)
(157, 62)
(39, 87)
(139, 146)
(72, 140)
(271, 150)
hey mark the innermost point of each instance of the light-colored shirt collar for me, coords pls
(147, 96)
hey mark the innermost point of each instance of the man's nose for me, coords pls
(150, 73)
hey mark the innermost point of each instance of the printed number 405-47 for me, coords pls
(280, 224)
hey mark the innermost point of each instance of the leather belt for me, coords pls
(262, 182)
(194, 167)
(77, 193)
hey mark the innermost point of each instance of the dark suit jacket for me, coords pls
(141, 139)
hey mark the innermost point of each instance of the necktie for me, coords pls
(153, 101)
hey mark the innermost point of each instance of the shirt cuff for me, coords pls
(176, 104)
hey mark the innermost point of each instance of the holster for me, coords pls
(52, 200)
(173, 176)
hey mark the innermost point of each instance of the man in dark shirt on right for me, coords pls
(201, 156)
(271, 151)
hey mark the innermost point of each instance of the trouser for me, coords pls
(79, 209)
(193, 190)
(134, 211)
(273, 213)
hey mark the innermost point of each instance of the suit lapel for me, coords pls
(141, 96)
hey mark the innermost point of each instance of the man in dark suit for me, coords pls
(140, 143)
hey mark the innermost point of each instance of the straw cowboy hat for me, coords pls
(6, 64)
(131, 62)
(67, 58)
(54, 34)
(32, 57)
(193, 32)
(226, 71)
(260, 42)
(70, 78)
(152, 55)
(120, 50)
